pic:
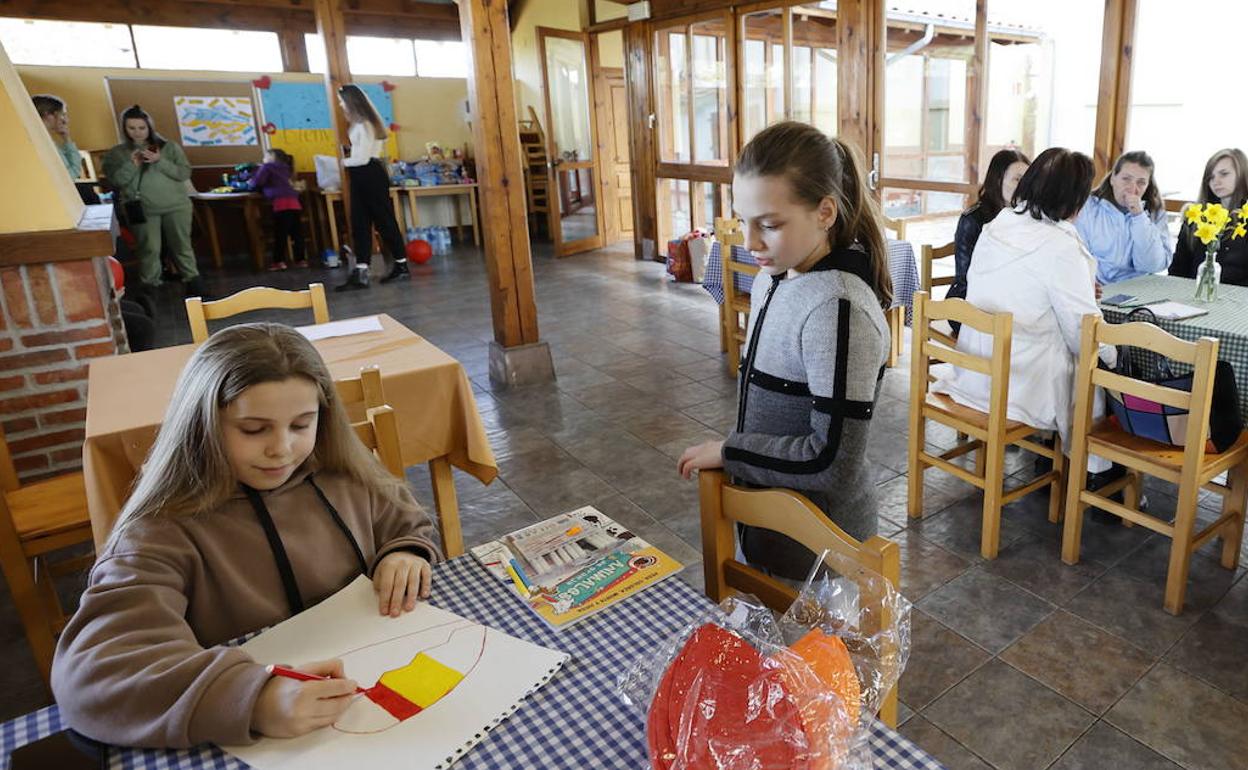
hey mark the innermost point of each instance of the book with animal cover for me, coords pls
(572, 565)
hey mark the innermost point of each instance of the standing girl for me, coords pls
(256, 501)
(273, 179)
(817, 340)
(370, 190)
(152, 171)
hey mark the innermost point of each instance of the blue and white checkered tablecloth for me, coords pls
(901, 266)
(576, 721)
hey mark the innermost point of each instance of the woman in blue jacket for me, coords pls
(1124, 222)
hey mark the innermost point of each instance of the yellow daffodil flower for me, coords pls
(1240, 231)
(1243, 211)
(1193, 212)
(1207, 232)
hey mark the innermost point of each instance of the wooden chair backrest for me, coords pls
(378, 429)
(1201, 355)
(929, 344)
(787, 512)
(198, 312)
(8, 471)
(365, 389)
(896, 225)
(930, 255)
(728, 233)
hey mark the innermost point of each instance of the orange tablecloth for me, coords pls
(431, 395)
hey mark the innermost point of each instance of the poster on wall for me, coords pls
(215, 121)
(297, 119)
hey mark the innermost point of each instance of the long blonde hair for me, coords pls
(360, 109)
(818, 166)
(187, 472)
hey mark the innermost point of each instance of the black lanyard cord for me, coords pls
(293, 597)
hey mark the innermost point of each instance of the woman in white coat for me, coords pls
(1031, 262)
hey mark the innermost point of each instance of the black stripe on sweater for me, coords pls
(778, 384)
(827, 456)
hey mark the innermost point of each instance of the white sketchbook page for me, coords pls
(509, 669)
(345, 328)
(1175, 310)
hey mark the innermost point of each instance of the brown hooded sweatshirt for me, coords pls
(142, 661)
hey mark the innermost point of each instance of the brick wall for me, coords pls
(56, 318)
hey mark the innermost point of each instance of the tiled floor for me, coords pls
(1022, 662)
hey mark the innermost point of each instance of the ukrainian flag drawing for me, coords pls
(402, 693)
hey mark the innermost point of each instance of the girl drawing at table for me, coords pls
(817, 340)
(256, 501)
(273, 179)
(370, 190)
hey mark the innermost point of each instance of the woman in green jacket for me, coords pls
(147, 168)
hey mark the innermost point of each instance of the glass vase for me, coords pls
(1208, 276)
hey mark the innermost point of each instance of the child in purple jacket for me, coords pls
(273, 179)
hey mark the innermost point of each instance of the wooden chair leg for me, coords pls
(1181, 547)
(724, 337)
(888, 709)
(981, 458)
(718, 538)
(1076, 480)
(1131, 493)
(895, 319)
(447, 504)
(1057, 490)
(1237, 500)
(914, 468)
(990, 536)
(30, 610)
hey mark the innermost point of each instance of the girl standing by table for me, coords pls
(370, 190)
(817, 340)
(273, 179)
(256, 500)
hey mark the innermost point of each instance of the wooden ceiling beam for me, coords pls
(378, 18)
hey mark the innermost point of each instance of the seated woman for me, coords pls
(1123, 223)
(1031, 262)
(1225, 182)
(1004, 171)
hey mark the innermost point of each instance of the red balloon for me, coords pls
(119, 275)
(419, 251)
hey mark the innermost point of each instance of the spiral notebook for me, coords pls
(436, 683)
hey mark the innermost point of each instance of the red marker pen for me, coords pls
(290, 673)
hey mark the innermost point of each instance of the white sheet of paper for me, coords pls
(347, 626)
(345, 328)
(1176, 311)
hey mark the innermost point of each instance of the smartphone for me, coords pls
(66, 750)
(1118, 299)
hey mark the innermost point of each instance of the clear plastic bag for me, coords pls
(736, 688)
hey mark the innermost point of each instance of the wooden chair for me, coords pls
(199, 313)
(988, 434)
(36, 520)
(364, 396)
(1191, 467)
(928, 257)
(723, 505)
(734, 314)
(896, 225)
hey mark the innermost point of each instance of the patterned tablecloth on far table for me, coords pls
(1227, 319)
(576, 721)
(901, 266)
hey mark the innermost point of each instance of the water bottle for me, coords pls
(330, 258)
(412, 234)
(444, 240)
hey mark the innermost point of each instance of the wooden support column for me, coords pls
(517, 356)
(637, 72)
(294, 52)
(855, 87)
(977, 97)
(332, 28)
(1114, 95)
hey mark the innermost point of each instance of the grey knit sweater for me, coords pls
(815, 353)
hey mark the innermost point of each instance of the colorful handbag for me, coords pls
(1167, 424)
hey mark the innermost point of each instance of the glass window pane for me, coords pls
(814, 65)
(189, 48)
(1173, 44)
(568, 79)
(675, 210)
(368, 56)
(930, 217)
(66, 43)
(672, 78)
(710, 93)
(802, 66)
(762, 71)
(441, 58)
(1044, 63)
(925, 90)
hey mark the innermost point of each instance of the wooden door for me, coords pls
(616, 162)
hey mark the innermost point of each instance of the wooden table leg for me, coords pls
(210, 222)
(333, 225)
(251, 215)
(459, 218)
(412, 207)
(472, 213)
(398, 208)
(447, 505)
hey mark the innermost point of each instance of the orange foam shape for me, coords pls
(828, 727)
